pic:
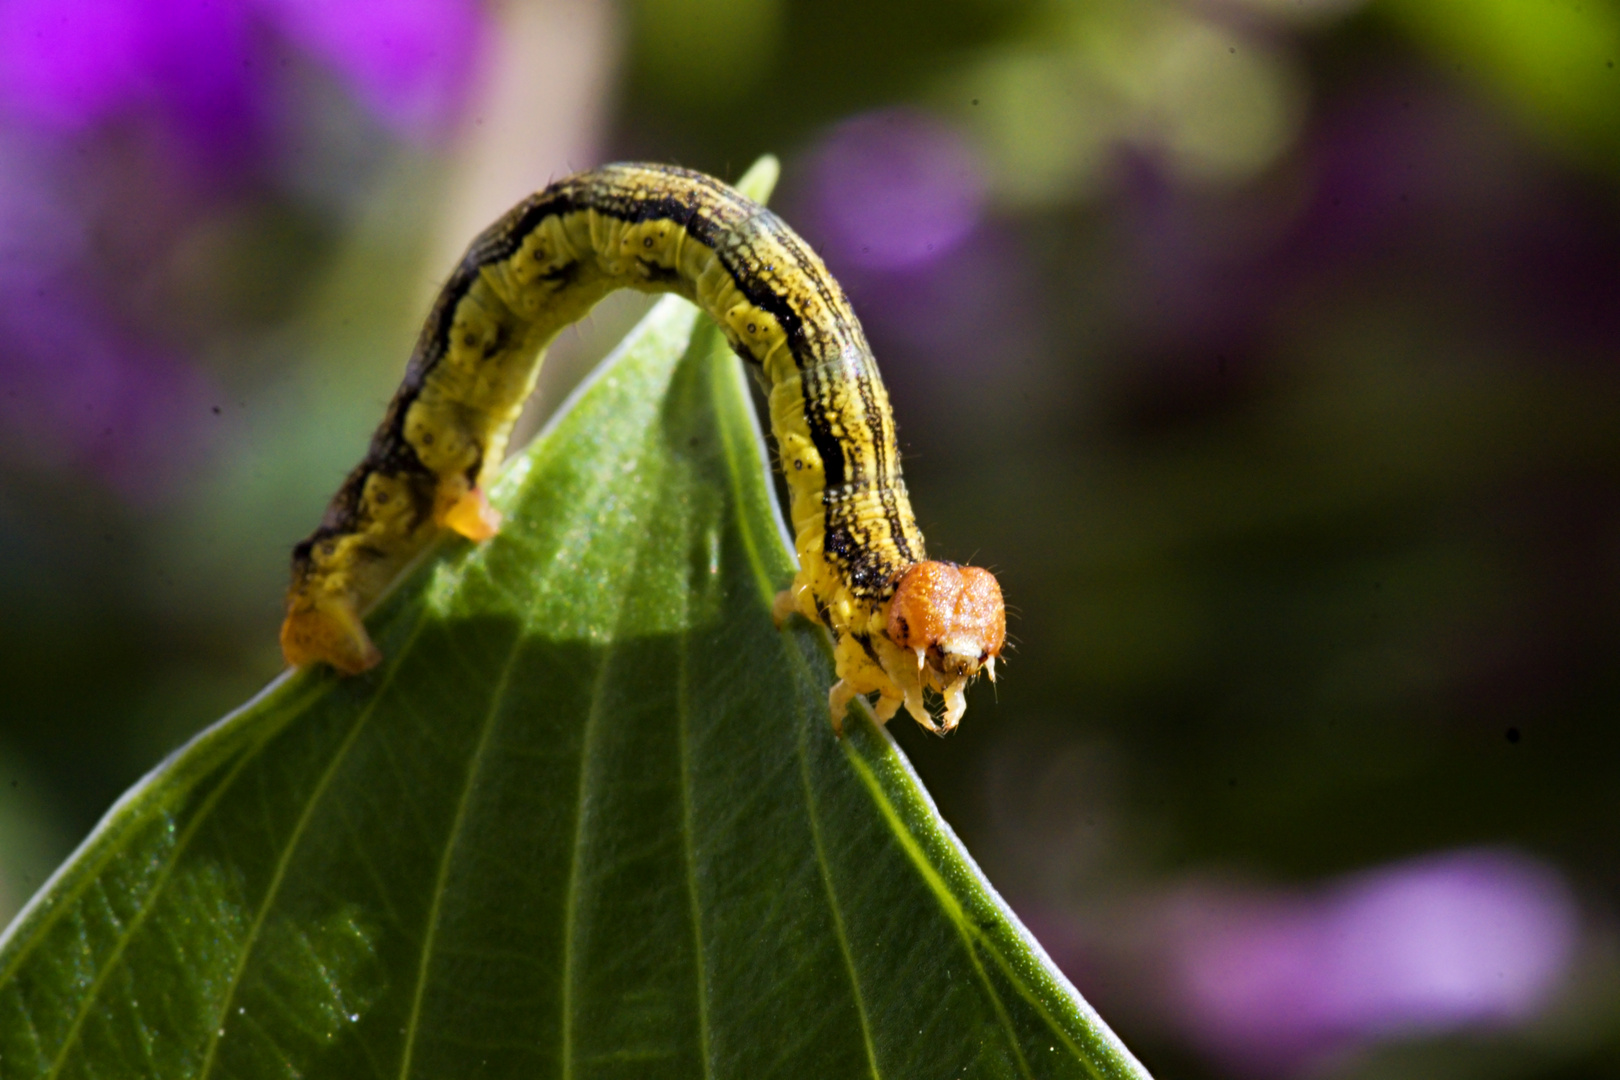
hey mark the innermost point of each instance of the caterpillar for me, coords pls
(903, 625)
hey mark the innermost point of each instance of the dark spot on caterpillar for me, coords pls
(397, 457)
(328, 549)
(653, 272)
(564, 274)
(752, 329)
(797, 464)
(647, 242)
(870, 574)
(427, 438)
(498, 343)
(382, 498)
(469, 340)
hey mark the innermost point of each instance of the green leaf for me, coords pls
(589, 819)
(1554, 63)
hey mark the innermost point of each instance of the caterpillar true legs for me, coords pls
(903, 625)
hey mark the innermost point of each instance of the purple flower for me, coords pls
(69, 65)
(77, 395)
(892, 190)
(409, 61)
(895, 202)
(205, 66)
(1270, 981)
(201, 97)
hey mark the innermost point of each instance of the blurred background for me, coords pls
(1266, 348)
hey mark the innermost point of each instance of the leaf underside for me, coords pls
(588, 820)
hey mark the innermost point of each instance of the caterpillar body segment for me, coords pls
(903, 625)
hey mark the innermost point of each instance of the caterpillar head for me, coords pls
(951, 618)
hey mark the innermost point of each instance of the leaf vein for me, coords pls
(683, 708)
(826, 875)
(285, 860)
(571, 901)
(953, 910)
(129, 928)
(450, 845)
(90, 873)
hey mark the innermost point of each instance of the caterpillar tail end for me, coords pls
(328, 633)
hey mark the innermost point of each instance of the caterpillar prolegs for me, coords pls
(903, 625)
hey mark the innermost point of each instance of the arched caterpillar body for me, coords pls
(902, 624)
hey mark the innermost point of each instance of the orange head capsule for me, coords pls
(953, 620)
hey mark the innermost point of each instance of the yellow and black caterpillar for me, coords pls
(902, 624)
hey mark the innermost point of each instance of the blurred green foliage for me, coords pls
(1552, 64)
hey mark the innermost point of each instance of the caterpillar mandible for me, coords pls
(902, 624)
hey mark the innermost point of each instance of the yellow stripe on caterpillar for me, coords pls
(904, 626)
